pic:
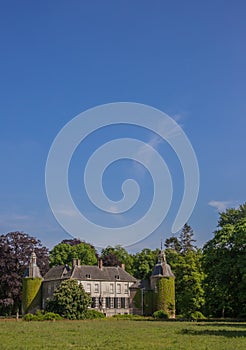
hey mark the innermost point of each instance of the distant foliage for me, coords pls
(64, 252)
(161, 315)
(144, 262)
(186, 263)
(15, 252)
(197, 315)
(224, 262)
(117, 255)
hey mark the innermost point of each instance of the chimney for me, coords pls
(100, 264)
(78, 262)
(122, 266)
(74, 262)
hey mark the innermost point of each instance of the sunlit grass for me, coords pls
(121, 334)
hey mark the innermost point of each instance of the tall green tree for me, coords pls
(186, 263)
(186, 239)
(144, 262)
(189, 292)
(173, 243)
(15, 251)
(70, 300)
(225, 266)
(64, 252)
(121, 253)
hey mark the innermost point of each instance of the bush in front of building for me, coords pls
(40, 316)
(70, 301)
(160, 315)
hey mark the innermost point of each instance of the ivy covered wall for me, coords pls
(165, 299)
(31, 294)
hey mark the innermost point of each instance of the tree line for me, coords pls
(211, 279)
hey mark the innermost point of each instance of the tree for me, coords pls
(186, 262)
(184, 242)
(111, 260)
(123, 256)
(144, 262)
(189, 277)
(186, 239)
(15, 252)
(225, 266)
(173, 243)
(232, 215)
(70, 300)
(64, 252)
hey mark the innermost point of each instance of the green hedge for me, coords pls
(40, 316)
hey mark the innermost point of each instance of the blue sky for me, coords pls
(59, 58)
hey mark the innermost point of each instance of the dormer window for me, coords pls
(117, 277)
(88, 276)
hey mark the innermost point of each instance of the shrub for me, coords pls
(41, 316)
(69, 300)
(50, 316)
(197, 315)
(29, 317)
(160, 315)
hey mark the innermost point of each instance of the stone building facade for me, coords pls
(113, 290)
(108, 286)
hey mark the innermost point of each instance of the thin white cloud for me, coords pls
(222, 205)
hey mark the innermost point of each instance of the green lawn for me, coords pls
(121, 334)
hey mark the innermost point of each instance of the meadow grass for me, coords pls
(121, 334)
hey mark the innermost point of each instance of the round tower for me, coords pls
(162, 281)
(31, 287)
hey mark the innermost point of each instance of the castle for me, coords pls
(112, 289)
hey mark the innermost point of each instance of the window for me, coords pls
(111, 303)
(88, 288)
(111, 288)
(127, 302)
(107, 302)
(118, 288)
(88, 275)
(117, 303)
(95, 302)
(96, 288)
(123, 304)
(126, 288)
(117, 277)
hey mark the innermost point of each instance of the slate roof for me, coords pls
(162, 269)
(58, 273)
(141, 284)
(107, 273)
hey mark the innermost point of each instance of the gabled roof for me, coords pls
(106, 273)
(58, 273)
(87, 272)
(141, 284)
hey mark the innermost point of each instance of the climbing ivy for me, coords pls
(31, 294)
(166, 295)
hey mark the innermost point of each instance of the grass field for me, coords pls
(121, 334)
